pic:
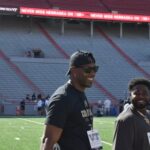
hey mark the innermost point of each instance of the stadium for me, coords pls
(37, 39)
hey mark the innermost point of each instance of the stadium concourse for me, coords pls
(34, 51)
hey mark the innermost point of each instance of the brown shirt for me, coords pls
(131, 131)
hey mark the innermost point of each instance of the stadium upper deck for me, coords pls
(84, 5)
(109, 10)
(139, 7)
(25, 3)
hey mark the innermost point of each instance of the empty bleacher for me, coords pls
(12, 87)
(117, 72)
(49, 72)
(19, 35)
(46, 74)
(135, 42)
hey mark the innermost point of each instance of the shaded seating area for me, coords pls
(140, 7)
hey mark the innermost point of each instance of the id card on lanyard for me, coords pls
(94, 138)
(93, 135)
(148, 136)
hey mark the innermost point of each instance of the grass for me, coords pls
(24, 133)
(105, 126)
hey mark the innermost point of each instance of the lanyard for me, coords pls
(146, 119)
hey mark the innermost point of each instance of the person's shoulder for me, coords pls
(63, 92)
(67, 90)
(148, 112)
(126, 114)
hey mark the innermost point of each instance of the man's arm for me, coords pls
(50, 137)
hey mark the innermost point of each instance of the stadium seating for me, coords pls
(12, 87)
(19, 29)
(49, 72)
(106, 57)
(120, 59)
(132, 34)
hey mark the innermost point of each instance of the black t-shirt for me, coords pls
(131, 131)
(69, 110)
(22, 105)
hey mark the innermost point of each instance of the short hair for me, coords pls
(138, 81)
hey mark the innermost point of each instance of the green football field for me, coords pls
(24, 133)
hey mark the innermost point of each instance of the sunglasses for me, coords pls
(90, 69)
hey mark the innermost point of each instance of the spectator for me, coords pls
(40, 105)
(100, 108)
(22, 107)
(33, 97)
(28, 98)
(38, 53)
(107, 106)
(47, 101)
(28, 54)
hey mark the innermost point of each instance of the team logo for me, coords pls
(85, 103)
(56, 146)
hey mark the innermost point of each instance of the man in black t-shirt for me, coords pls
(69, 116)
(133, 124)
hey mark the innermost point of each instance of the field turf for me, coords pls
(24, 133)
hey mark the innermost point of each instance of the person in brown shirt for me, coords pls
(132, 131)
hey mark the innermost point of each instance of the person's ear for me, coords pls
(74, 72)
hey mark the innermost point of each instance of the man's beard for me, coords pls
(140, 104)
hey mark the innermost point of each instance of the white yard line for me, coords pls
(17, 138)
(107, 143)
(102, 122)
(32, 121)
